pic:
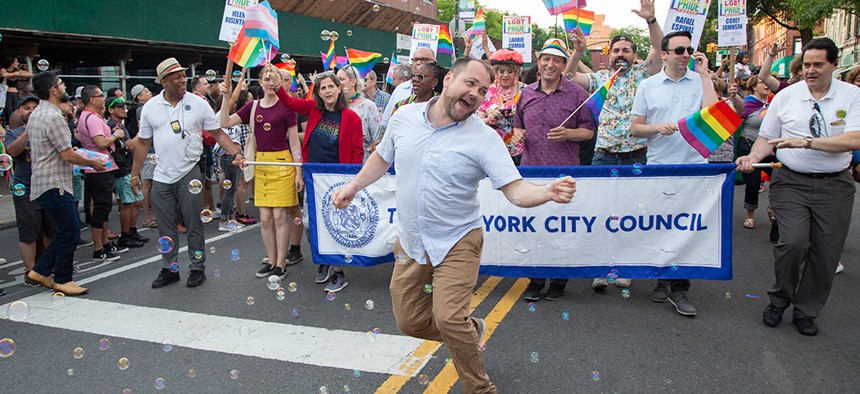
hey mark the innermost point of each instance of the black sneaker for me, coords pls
(195, 278)
(137, 236)
(128, 241)
(104, 255)
(556, 291)
(661, 292)
(83, 244)
(805, 326)
(774, 231)
(682, 306)
(2, 292)
(294, 257)
(772, 315)
(165, 277)
(532, 292)
(279, 272)
(113, 248)
(264, 272)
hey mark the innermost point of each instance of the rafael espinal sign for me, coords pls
(642, 221)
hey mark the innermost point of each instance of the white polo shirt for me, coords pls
(400, 93)
(789, 114)
(438, 170)
(661, 99)
(178, 152)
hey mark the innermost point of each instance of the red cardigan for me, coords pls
(350, 145)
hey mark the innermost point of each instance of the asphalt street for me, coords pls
(215, 339)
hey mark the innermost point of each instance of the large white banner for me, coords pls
(517, 35)
(424, 35)
(687, 15)
(233, 19)
(732, 23)
(641, 221)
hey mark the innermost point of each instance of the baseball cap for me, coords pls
(78, 92)
(26, 99)
(135, 90)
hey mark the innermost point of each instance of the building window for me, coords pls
(798, 46)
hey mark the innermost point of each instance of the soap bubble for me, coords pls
(195, 186)
(104, 344)
(5, 162)
(70, 371)
(325, 35)
(728, 295)
(386, 60)
(210, 75)
(285, 57)
(18, 310)
(295, 312)
(347, 258)
(198, 254)
(122, 364)
(19, 189)
(423, 379)
(297, 221)
(174, 267)
(637, 168)
(234, 374)
(249, 300)
(375, 8)
(58, 298)
(330, 296)
(43, 65)
(244, 331)
(625, 293)
(293, 287)
(532, 307)
(273, 285)
(281, 295)
(595, 375)
(565, 316)
(236, 76)
(227, 184)
(349, 33)
(334, 35)
(234, 255)
(212, 250)
(347, 306)
(205, 216)
(167, 345)
(614, 173)
(369, 305)
(534, 357)
(192, 373)
(78, 352)
(216, 272)
(152, 158)
(428, 288)
(7, 347)
(159, 383)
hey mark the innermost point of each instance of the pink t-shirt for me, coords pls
(270, 126)
(90, 124)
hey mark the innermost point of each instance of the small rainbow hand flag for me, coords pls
(479, 26)
(292, 70)
(578, 17)
(595, 101)
(446, 45)
(691, 65)
(329, 58)
(709, 128)
(556, 7)
(362, 61)
(251, 51)
(261, 21)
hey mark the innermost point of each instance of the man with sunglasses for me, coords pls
(662, 100)
(815, 123)
(615, 145)
(404, 90)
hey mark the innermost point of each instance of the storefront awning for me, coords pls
(780, 67)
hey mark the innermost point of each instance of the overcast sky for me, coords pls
(617, 11)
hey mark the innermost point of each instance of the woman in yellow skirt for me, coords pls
(275, 132)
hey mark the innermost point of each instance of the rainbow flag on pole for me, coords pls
(362, 61)
(595, 101)
(291, 68)
(251, 51)
(556, 7)
(578, 17)
(261, 21)
(709, 128)
(329, 58)
(479, 25)
(446, 45)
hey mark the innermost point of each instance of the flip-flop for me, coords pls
(749, 223)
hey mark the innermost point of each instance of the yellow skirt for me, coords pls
(275, 186)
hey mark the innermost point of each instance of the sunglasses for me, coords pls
(116, 102)
(680, 50)
(323, 75)
(816, 121)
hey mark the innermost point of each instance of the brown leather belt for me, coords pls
(624, 155)
(817, 175)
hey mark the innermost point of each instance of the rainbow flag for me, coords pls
(578, 17)
(292, 70)
(389, 76)
(338, 62)
(251, 51)
(478, 26)
(709, 128)
(329, 58)
(446, 45)
(595, 101)
(556, 7)
(261, 21)
(362, 61)
(691, 65)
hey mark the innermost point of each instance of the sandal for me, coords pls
(749, 223)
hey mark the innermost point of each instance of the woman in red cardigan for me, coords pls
(333, 135)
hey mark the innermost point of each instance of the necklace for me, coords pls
(352, 99)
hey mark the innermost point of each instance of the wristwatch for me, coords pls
(808, 142)
(652, 21)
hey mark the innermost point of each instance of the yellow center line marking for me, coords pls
(448, 376)
(426, 350)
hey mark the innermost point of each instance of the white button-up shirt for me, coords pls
(661, 99)
(401, 92)
(438, 170)
(789, 114)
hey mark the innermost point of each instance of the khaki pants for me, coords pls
(443, 315)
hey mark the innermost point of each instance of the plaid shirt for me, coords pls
(49, 135)
(380, 99)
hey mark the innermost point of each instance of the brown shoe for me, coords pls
(70, 288)
(181, 229)
(35, 279)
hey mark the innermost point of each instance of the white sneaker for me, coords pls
(840, 267)
(230, 226)
(622, 282)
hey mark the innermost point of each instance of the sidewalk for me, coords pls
(7, 208)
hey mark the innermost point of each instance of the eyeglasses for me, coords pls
(421, 59)
(680, 50)
(816, 121)
(506, 71)
(116, 101)
(418, 77)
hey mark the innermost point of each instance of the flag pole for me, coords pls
(586, 100)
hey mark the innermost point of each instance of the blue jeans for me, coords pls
(60, 206)
(603, 159)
